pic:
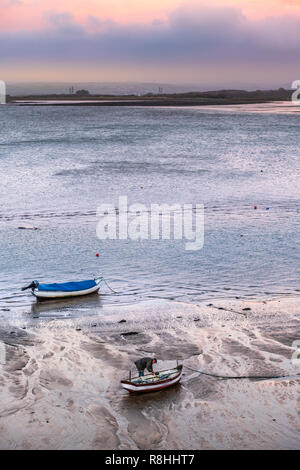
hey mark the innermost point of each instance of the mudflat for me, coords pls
(60, 378)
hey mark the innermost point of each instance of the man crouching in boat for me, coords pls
(145, 363)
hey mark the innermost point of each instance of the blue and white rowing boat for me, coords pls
(64, 289)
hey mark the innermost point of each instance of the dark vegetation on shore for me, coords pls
(218, 97)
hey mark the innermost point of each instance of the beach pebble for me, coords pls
(130, 333)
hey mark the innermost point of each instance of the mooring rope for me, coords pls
(226, 377)
(114, 292)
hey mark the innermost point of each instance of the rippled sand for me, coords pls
(60, 385)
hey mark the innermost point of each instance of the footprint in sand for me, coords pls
(48, 355)
(52, 380)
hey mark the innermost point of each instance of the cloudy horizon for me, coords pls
(225, 43)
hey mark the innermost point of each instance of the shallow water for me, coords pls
(58, 164)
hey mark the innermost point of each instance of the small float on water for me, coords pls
(153, 383)
(65, 289)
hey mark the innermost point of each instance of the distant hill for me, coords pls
(105, 88)
(109, 88)
(191, 98)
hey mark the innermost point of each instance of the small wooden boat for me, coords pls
(64, 290)
(153, 383)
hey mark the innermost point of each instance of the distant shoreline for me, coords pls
(221, 97)
(141, 103)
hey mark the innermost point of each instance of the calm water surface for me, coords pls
(58, 164)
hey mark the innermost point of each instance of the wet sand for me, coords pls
(60, 378)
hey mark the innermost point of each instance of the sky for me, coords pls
(225, 43)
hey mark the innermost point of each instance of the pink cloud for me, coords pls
(190, 38)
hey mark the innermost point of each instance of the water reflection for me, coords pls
(66, 307)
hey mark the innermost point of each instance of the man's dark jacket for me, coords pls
(145, 362)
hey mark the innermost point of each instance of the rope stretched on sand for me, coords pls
(224, 377)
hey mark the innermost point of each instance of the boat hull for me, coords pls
(132, 387)
(54, 295)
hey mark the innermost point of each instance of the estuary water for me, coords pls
(59, 163)
(229, 311)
